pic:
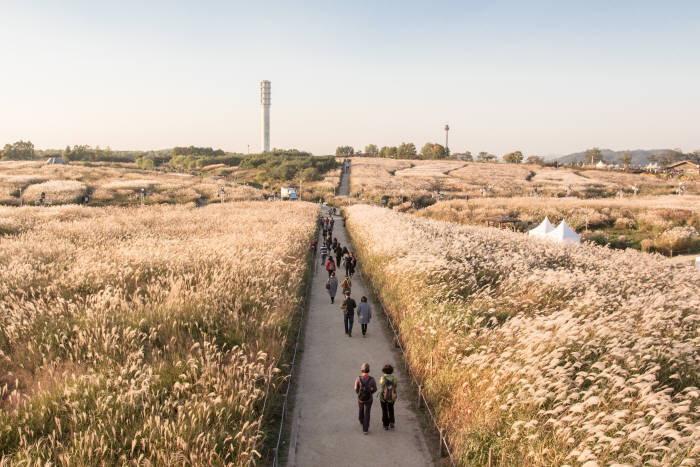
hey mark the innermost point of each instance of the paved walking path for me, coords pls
(325, 427)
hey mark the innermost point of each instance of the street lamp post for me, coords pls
(447, 131)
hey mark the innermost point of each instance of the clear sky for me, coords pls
(540, 77)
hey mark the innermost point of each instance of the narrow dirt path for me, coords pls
(325, 428)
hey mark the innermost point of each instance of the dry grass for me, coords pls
(541, 354)
(143, 335)
(373, 178)
(119, 185)
(55, 192)
(635, 218)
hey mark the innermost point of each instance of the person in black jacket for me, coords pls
(365, 387)
(348, 308)
(338, 254)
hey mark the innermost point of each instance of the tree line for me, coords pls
(432, 151)
(403, 151)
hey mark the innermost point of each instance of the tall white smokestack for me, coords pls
(265, 102)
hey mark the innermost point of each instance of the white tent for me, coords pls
(601, 165)
(542, 230)
(564, 234)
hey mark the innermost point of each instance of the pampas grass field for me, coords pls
(400, 180)
(112, 186)
(144, 335)
(536, 353)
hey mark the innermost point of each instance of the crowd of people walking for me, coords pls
(334, 256)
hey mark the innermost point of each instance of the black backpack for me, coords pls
(389, 394)
(364, 394)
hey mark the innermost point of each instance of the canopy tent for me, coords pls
(564, 234)
(542, 230)
(55, 160)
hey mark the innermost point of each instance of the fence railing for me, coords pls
(444, 447)
(285, 396)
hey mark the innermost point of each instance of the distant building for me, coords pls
(55, 160)
(684, 167)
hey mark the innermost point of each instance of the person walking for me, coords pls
(347, 262)
(353, 265)
(338, 254)
(332, 286)
(364, 314)
(330, 266)
(387, 396)
(346, 285)
(324, 253)
(348, 308)
(365, 387)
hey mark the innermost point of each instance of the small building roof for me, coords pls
(679, 163)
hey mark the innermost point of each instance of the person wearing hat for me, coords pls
(365, 387)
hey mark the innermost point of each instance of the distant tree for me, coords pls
(388, 152)
(515, 157)
(406, 151)
(625, 159)
(468, 156)
(593, 155)
(344, 151)
(20, 150)
(694, 156)
(145, 162)
(433, 151)
(196, 151)
(485, 157)
(670, 156)
(537, 160)
(371, 150)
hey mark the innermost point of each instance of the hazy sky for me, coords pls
(541, 77)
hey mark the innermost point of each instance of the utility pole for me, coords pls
(447, 131)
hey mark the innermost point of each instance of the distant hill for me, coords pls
(639, 156)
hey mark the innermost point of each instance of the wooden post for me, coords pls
(420, 395)
(490, 457)
(442, 443)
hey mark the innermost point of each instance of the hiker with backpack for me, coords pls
(348, 308)
(365, 386)
(346, 285)
(332, 286)
(364, 314)
(330, 266)
(387, 396)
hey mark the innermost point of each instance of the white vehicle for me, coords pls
(289, 193)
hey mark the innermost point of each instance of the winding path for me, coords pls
(325, 430)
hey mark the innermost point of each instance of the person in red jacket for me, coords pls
(330, 266)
